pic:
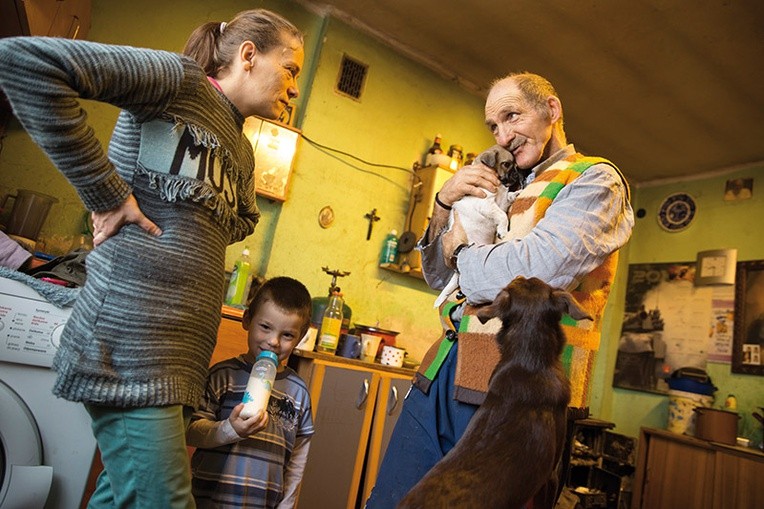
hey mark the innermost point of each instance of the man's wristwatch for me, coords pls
(455, 255)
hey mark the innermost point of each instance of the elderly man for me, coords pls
(566, 226)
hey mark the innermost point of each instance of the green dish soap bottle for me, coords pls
(237, 286)
(389, 249)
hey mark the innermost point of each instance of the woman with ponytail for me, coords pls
(175, 188)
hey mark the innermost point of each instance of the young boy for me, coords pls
(256, 462)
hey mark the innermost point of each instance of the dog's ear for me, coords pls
(494, 309)
(489, 157)
(570, 305)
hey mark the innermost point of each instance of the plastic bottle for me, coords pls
(329, 335)
(260, 384)
(433, 151)
(389, 248)
(237, 287)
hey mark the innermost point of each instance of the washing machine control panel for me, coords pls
(30, 326)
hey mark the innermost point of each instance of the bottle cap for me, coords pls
(267, 354)
(245, 252)
(394, 232)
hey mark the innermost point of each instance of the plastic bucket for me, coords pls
(681, 415)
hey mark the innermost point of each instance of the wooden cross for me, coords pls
(372, 217)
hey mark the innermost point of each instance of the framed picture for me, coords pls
(275, 145)
(748, 338)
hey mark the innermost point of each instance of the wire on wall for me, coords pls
(330, 151)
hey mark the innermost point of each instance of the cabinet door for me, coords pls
(677, 476)
(738, 482)
(57, 18)
(389, 403)
(343, 414)
(393, 405)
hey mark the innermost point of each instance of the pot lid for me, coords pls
(368, 328)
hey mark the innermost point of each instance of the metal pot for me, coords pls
(716, 425)
(388, 336)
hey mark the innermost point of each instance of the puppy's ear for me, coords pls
(570, 305)
(488, 157)
(496, 309)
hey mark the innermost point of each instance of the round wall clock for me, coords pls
(677, 212)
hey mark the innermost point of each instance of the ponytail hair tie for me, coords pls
(222, 26)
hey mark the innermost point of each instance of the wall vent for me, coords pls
(352, 77)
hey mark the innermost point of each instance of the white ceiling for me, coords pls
(664, 88)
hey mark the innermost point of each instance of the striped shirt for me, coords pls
(249, 472)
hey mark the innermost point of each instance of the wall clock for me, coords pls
(676, 212)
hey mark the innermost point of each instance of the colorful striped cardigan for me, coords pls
(478, 351)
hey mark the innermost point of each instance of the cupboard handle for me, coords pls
(74, 33)
(363, 394)
(393, 401)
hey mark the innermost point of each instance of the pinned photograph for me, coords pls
(738, 189)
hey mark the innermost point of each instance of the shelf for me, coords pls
(394, 267)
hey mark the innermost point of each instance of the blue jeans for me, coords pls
(429, 426)
(145, 458)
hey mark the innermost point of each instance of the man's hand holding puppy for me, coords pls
(468, 181)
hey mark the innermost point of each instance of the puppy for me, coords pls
(510, 450)
(485, 219)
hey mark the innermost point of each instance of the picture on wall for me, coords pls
(275, 146)
(738, 189)
(748, 345)
(668, 324)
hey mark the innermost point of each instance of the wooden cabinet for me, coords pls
(681, 471)
(232, 338)
(53, 18)
(355, 407)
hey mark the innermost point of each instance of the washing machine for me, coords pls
(46, 444)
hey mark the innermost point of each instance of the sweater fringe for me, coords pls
(173, 188)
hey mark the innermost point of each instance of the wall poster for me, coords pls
(748, 351)
(669, 323)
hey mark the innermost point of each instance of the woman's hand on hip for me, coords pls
(107, 223)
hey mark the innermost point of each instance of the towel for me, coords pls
(58, 295)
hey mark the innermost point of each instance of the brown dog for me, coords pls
(509, 452)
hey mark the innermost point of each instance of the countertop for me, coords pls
(357, 363)
(705, 444)
(234, 313)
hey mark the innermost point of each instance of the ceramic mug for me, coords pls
(369, 347)
(350, 347)
(392, 356)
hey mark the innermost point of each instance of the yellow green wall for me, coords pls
(718, 224)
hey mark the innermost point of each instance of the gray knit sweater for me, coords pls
(144, 327)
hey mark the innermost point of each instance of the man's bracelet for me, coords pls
(442, 205)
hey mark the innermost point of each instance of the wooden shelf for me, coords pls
(394, 267)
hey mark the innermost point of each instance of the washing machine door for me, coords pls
(24, 482)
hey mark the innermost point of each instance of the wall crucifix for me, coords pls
(372, 217)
